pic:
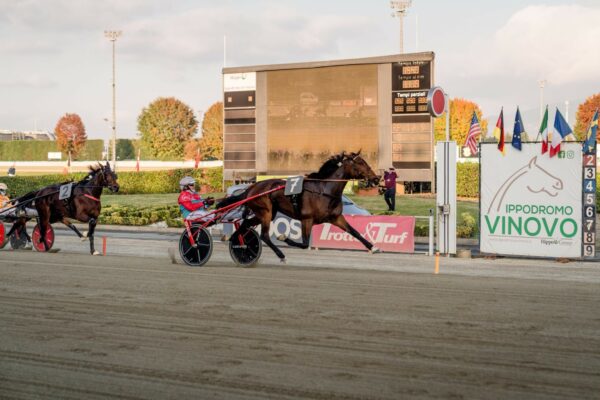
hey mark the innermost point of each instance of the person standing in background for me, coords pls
(390, 188)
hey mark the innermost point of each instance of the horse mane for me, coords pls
(93, 170)
(329, 167)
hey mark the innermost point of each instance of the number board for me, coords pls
(293, 185)
(589, 203)
(411, 102)
(64, 192)
(411, 75)
(411, 81)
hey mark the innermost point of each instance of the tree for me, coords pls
(165, 126)
(70, 135)
(211, 142)
(585, 112)
(461, 112)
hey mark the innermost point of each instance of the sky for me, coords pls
(54, 58)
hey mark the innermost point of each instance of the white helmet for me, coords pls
(3, 186)
(186, 181)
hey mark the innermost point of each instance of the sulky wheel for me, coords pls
(2, 234)
(245, 247)
(198, 255)
(37, 240)
(18, 239)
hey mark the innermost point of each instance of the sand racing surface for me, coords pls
(74, 326)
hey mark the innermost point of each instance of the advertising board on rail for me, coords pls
(531, 204)
(389, 233)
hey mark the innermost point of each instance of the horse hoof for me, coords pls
(96, 253)
(375, 250)
(281, 238)
(85, 234)
(283, 260)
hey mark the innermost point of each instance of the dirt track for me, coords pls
(77, 327)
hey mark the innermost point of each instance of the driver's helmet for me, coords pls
(3, 188)
(185, 182)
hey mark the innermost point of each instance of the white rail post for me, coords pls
(431, 232)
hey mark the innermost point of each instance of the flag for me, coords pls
(137, 163)
(562, 131)
(499, 132)
(473, 135)
(197, 158)
(517, 131)
(590, 137)
(544, 132)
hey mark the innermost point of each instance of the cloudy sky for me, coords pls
(55, 59)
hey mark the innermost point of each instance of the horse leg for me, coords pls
(341, 223)
(43, 222)
(92, 225)
(307, 225)
(73, 228)
(265, 226)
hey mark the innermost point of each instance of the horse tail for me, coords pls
(232, 199)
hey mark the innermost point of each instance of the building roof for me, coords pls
(426, 55)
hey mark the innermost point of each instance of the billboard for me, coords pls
(389, 233)
(531, 204)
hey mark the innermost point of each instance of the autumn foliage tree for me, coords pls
(585, 112)
(70, 134)
(165, 126)
(211, 142)
(461, 112)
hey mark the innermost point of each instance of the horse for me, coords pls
(83, 205)
(319, 202)
(534, 178)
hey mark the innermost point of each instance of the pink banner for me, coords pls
(389, 233)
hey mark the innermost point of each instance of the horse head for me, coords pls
(540, 180)
(104, 176)
(110, 178)
(355, 167)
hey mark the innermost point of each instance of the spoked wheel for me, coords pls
(18, 239)
(36, 237)
(198, 255)
(245, 247)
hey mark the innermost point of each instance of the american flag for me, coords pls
(473, 135)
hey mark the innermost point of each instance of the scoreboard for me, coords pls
(411, 80)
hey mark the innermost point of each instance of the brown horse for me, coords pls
(83, 205)
(319, 202)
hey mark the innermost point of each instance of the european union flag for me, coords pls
(590, 137)
(517, 131)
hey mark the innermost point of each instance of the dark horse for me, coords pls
(83, 205)
(319, 202)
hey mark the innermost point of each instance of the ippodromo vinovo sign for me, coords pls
(531, 204)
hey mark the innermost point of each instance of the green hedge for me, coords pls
(119, 215)
(151, 182)
(467, 180)
(37, 150)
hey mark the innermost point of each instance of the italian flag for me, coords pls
(544, 132)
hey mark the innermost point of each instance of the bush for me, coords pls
(467, 226)
(467, 180)
(151, 182)
(119, 215)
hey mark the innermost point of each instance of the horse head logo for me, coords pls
(535, 179)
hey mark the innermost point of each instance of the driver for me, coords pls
(191, 204)
(4, 199)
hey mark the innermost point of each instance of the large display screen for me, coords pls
(315, 113)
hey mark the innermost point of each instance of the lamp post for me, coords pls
(400, 8)
(112, 36)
